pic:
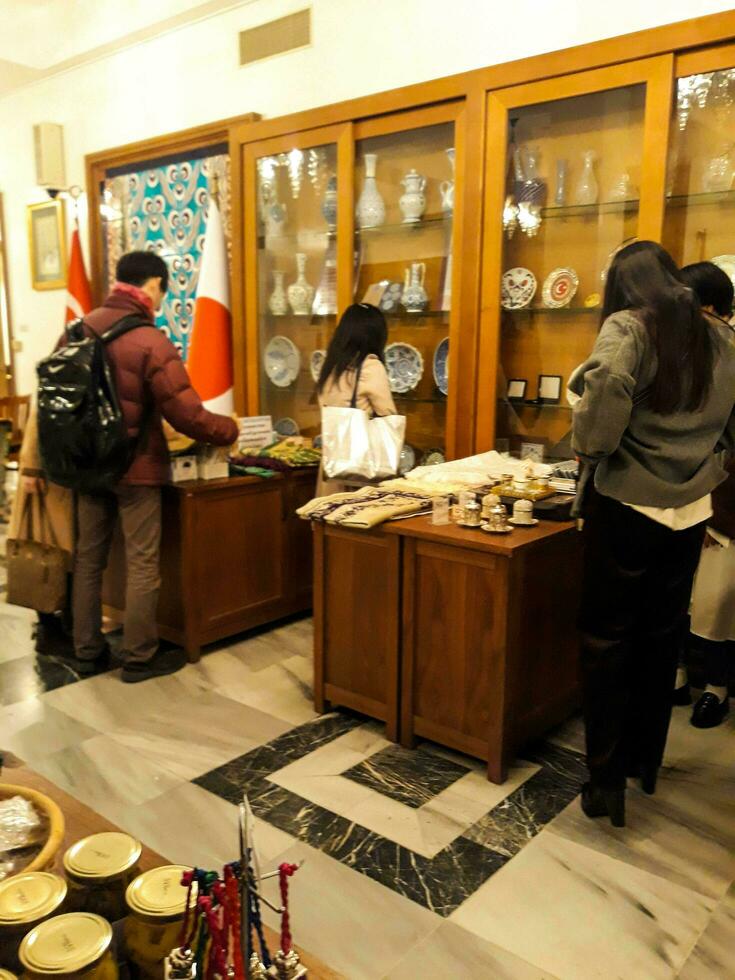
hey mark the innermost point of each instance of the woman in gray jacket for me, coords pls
(656, 407)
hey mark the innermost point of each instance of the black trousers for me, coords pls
(717, 657)
(637, 585)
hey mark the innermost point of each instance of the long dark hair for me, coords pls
(645, 279)
(361, 331)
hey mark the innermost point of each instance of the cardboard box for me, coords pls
(183, 468)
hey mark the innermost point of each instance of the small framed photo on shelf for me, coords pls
(47, 241)
(517, 389)
(533, 451)
(549, 389)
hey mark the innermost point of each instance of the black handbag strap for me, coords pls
(353, 400)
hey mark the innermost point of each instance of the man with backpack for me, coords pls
(102, 397)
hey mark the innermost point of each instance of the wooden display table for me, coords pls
(233, 556)
(81, 821)
(449, 634)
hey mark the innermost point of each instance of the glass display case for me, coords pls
(404, 209)
(297, 292)
(700, 190)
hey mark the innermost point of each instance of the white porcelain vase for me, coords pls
(300, 293)
(278, 302)
(413, 202)
(446, 188)
(587, 189)
(370, 210)
(415, 299)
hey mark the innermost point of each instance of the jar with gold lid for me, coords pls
(99, 869)
(73, 945)
(156, 903)
(25, 901)
(7, 975)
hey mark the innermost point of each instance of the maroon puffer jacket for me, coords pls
(149, 374)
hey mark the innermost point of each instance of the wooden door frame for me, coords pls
(657, 74)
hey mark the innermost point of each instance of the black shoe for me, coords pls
(709, 711)
(599, 802)
(86, 666)
(53, 642)
(161, 663)
(682, 695)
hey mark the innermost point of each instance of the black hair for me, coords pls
(712, 286)
(645, 279)
(361, 331)
(136, 268)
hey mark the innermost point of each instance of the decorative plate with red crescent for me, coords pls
(560, 287)
(518, 288)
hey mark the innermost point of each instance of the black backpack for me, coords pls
(82, 435)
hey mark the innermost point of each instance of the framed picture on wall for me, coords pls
(47, 240)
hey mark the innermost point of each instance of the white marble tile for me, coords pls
(16, 625)
(278, 689)
(353, 924)
(689, 747)
(453, 952)
(582, 915)
(212, 730)
(188, 825)
(33, 729)
(105, 775)
(685, 832)
(713, 957)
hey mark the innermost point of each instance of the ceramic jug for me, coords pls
(413, 202)
(370, 210)
(587, 189)
(277, 302)
(329, 204)
(415, 299)
(300, 293)
(446, 188)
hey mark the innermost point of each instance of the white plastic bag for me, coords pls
(354, 445)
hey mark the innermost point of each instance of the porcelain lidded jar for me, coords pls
(413, 202)
(415, 299)
(277, 301)
(300, 293)
(370, 210)
(329, 203)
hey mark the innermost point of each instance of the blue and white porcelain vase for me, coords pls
(329, 203)
(370, 210)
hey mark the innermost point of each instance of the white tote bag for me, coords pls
(355, 445)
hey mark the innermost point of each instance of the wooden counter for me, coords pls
(450, 634)
(81, 820)
(233, 556)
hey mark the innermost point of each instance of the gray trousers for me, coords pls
(140, 516)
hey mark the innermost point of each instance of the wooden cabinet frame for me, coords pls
(657, 75)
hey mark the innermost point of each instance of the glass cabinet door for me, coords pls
(404, 190)
(700, 192)
(296, 280)
(567, 176)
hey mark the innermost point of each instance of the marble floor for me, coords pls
(414, 865)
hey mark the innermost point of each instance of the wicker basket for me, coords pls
(46, 857)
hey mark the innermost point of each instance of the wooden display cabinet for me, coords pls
(700, 186)
(585, 164)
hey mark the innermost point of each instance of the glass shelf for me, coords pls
(429, 221)
(553, 311)
(703, 198)
(436, 400)
(537, 405)
(295, 319)
(591, 210)
(308, 239)
(413, 317)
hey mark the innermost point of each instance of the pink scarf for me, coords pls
(137, 294)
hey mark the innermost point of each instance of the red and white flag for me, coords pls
(78, 292)
(210, 350)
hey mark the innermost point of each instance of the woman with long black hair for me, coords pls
(656, 406)
(353, 373)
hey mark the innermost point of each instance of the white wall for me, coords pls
(190, 76)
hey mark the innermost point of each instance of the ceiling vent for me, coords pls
(275, 37)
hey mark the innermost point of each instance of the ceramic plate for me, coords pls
(391, 297)
(432, 457)
(441, 366)
(727, 264)
(405, 367)
(518, 288)
(286, 427)
(532, 523)
(315, 363)
(560, 287)
(407, 459)
(282, 361)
